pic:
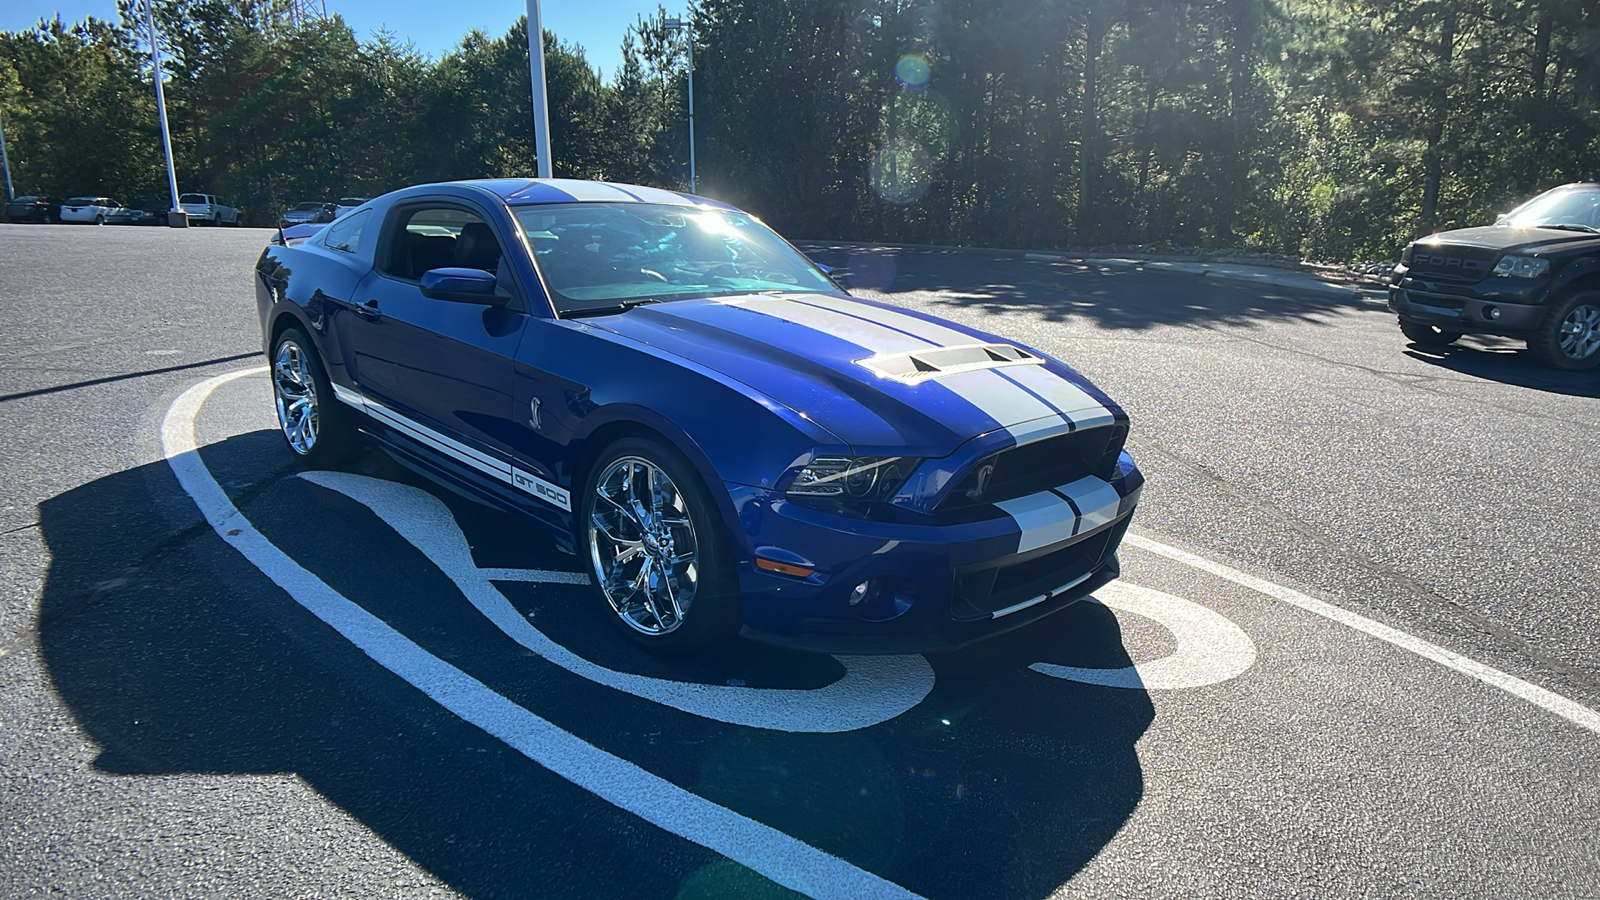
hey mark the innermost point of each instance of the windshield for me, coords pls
(81, 201)
(351, 201)
(309, 206)
(1563, 207)
(598, 256)
(192, 198)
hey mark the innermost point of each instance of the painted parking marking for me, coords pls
(1211, 648)
(874, 689)
(762, 848)
(1574, 712)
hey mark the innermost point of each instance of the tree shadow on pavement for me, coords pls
(1058, 290)
(177, 656)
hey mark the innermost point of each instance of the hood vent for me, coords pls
(920, 365)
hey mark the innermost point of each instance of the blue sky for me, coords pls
(434, 27)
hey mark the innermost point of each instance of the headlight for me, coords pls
(1522, 266)
(862, 479)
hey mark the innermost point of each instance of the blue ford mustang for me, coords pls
(730, 442)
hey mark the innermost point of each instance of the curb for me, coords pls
(1209, 270)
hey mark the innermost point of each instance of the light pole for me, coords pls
(10, 195)
(176, 217)
(676, 25)
(541, 106)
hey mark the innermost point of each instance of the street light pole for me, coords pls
(176, 217)
(675, 25)
(541, 106)
(10, 194)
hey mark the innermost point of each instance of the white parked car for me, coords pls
(88, 210)
(206, 209)
(347, 204)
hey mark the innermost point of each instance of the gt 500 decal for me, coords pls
(540, 488)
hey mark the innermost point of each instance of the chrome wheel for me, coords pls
(1580, 332)
(295, 390)
(642, 545)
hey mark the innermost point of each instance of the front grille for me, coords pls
(1038, 466)
(982, 592)
(1445, 262)
(1443, 303)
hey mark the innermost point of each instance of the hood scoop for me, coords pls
(914, 366)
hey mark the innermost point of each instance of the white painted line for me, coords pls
(874, 689)
(785, 860)
(1574, 712)
(1211, 649)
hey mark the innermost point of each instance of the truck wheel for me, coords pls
(1569, 336)
(1428, 335)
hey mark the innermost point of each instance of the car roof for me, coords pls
(529, 191)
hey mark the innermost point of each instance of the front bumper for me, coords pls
(932, 588)
(1504, 306)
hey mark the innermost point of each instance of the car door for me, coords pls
(437, 371)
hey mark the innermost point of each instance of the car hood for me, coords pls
(869, 373)
(1500, 237)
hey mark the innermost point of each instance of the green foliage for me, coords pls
(1329, 128)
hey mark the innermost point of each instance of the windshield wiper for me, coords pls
(619, 307)
(1568, 227)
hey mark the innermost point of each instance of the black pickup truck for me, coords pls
(1534, 274)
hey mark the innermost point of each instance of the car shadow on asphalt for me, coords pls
(176, 656)
(1508, 362)
(1056, 290)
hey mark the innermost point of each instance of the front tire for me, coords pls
(1428, 335)
(1569, 336)
(656, 551)
(319, 431)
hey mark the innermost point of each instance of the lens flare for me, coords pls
(901, 172)
(912, 71)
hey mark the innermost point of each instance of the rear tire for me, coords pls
(1568, 338)
(656, 551)
(318, 429)
(1428, 335)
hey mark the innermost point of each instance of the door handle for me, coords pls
(370, 310)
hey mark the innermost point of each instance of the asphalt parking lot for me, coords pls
(1352, 652)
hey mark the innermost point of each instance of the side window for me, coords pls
(345, 234)
(440, 237)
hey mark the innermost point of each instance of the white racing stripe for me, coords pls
(1030, 402)
(931, 332)
(1572, 711)
(1082, 409)
(872, 337)
(1013, 408)
(764, 849)
(1047, 517)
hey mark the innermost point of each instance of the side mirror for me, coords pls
(1502, 217)
(462, 286)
